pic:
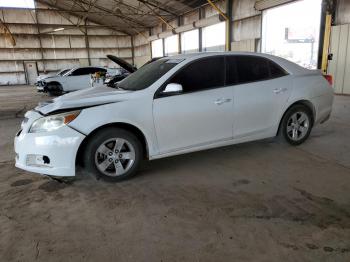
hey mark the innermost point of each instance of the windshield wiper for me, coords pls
(117, 86)
(120, 87)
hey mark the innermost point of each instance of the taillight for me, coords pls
(329, 78)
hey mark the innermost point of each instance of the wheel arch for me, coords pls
(129, 127)
(53, 82)
(303, 102)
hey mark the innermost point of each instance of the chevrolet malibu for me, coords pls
(173, 106)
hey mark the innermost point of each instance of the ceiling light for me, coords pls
(58, 29)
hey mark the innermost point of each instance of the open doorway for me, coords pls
(292, 31)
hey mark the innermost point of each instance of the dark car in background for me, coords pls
(125, 70)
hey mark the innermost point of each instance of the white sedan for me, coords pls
(173, 106)
(75, 79)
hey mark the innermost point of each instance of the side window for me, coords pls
(276, 70)
(93, 70)
(202, 74)
(244, 69)
(231, 69)
(251, 69)
(81, 71)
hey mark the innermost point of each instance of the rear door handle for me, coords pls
(220, 101)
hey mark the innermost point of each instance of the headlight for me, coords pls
(50, 123)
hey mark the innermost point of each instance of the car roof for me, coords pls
(102, 67)
(289, 66)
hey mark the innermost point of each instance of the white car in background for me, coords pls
(173, 106)
(59, 73)
(75, 79)
(39, 80)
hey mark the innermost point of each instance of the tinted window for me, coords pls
(245, 69)
(148, 74)
(202, 74)
(87, 71)
(81, 71)
(250, 69)
(231, 68)
(276, 70)
(93, 70)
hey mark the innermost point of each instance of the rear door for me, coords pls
(201, 114)
(261, 89)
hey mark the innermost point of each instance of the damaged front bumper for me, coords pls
(50, 153)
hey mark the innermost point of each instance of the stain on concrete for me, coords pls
(328, 249)
(326, 211)
(21, 182)
(52, 186)
(307, 209)
(241, 182)
(311, 246)
(289, 246)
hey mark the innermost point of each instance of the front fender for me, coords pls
(93, 118)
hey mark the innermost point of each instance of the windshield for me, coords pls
(69, 72)
(148, 74)
(62, 72)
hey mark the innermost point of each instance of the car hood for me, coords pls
(122, 63)
(42, 77)
(82, 99)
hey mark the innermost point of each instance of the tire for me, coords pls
(297, 124)
(54, 89)
(113, 154)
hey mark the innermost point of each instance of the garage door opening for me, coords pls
(17, 3)
(292, 31)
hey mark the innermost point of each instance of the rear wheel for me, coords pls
(54, 89)
(113, 154)
(297, 124)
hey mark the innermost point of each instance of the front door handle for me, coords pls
(279, 90)
(220, 101)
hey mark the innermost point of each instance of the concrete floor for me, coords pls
(261, 201)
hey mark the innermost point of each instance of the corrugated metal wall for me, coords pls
(342, 14)
(339, 67)
(53, 51)
(246, 26)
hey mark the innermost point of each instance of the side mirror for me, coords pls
(173, 88)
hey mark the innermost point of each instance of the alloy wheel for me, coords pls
(298, 126)
(115, 157)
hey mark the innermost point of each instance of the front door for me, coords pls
(201, 114)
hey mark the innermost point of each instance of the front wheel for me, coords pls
(54, 89)
(113, 154)
(297, 124)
